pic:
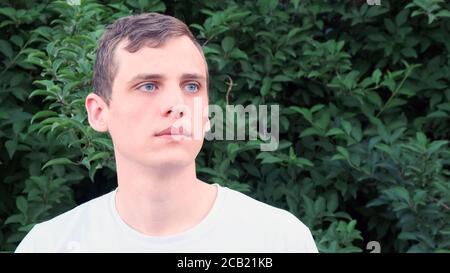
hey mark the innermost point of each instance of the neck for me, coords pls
(159, 202)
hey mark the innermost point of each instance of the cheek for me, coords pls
(130, 122)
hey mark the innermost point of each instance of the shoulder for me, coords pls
(245, 206)
(49, 235)
(86, 211)
(268, 219)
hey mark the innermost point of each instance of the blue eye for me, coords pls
(192, 87)
(148, 87)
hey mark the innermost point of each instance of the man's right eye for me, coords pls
(147, 87)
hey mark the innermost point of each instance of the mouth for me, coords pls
(174, 133)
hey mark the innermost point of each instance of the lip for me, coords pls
(174, 133)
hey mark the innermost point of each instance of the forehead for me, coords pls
(177, 55)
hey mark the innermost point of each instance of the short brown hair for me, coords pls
(146, 29)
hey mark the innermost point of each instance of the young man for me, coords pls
(148, 73)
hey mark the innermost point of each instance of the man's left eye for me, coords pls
(192, 87)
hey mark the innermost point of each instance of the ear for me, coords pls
(97, 110)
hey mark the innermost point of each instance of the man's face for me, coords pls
(153, 90)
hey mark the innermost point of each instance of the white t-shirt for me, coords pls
(235, 223)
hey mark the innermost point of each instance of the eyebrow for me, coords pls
(148, 77)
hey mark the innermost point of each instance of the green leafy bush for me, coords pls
(364, 97)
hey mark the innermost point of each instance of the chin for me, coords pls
(173, 164)
(174, 160)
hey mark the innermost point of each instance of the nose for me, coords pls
(177, 111)
(173, 104)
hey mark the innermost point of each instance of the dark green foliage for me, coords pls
(364, 95)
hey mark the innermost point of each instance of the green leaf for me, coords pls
(377, 37)
(389, 83)
(344, 152)
(281, 78)
(228, 44)
(355, 159)
(58, 161)
(236, 53)
(306, 113)
(309, 132)
(303, 162)
(317, 107)
(421, 138)
(251, 169)
(268, 158)
(11, 147)
(409, 52)
(445, 231)
(357, 133)
(374, 98)
(232, 148)
(93, 170)
(238, 16)
(266, 86)
(106, 142)
(332, 202)
(323, 120)
(266, 6)
(401, 17)
(398, 193)
(376, 76)
(404, 235)
(337, 157)
(347, 126)
(385, 148)
(158, 7)
(319, 205)
(335, 131)
(390, 26)
(6, 49)
(99, 155)
(411, 148)
(309, 204)
(443, 13)
(8, 12)
(22, 204)
(17, 40)
(351, 226)
(43, 114)
(16, 218)
(436, 145)
(383, 132)
(41, 92)
(437, 114)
